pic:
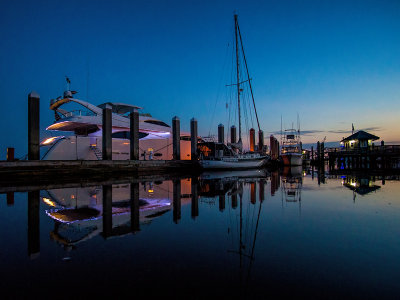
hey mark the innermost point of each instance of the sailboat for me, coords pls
(217, 155)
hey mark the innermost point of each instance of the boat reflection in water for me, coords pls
(292, 181)
(82, 213)
(244, 191)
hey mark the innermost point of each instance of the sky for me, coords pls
(331, 63)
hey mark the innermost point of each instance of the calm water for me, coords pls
(237, 235)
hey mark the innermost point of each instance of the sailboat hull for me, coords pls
(234, 163)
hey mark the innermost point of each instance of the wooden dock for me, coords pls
(382, 157)
(40, 170)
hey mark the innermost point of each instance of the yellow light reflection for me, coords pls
(48, 141)
(48, 202)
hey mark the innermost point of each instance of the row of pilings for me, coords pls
(257, 192)
(34, 136)
(260, 147)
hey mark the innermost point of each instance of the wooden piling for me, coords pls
(233, 134)
(33, 126)
(176, 138)
(10, 198)
(107, 210)
(107, 138)
(195, 198)
(253, 191)
(134, 135)
(252, 139)
(234, 201)
(261, 190)
(312, 153)
(220, 133)
(221, 203)
(260, 141)
(33, 224)
(176, 200)
(135, 225)
(10, 154)
(193, 139)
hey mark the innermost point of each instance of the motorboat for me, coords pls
(291, 152)
(82, 121)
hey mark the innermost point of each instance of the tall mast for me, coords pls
(237, 76)
(248, 77)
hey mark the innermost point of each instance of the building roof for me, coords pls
(361, 135)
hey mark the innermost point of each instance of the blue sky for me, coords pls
(333, 63)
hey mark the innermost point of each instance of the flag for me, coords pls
(68, 81)
(352, 128)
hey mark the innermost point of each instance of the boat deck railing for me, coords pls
(77, 112)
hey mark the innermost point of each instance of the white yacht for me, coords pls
(291, 148)
(84, 121)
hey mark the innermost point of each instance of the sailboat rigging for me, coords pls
(220, 156)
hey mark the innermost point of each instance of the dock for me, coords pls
(41, 170)
(382, 157)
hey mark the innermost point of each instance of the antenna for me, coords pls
(281, 129)
(68, 82)
(298, 124)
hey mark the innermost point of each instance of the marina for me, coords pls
(141, 156)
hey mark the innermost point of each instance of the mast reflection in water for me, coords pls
(236, 234)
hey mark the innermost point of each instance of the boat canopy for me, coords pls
(56, 103)
(120, 108)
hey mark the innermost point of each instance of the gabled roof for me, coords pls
(361, 135)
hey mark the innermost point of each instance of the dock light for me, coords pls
(151, 191)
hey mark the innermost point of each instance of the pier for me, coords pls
(384, 157)
(54, 170)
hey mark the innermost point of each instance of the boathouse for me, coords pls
(360, 139)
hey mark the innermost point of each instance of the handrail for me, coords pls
(369, 149)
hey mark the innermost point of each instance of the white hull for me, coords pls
(234, 163)
(85, 148)
(292, 159)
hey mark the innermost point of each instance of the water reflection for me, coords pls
(111, 210)
(244, 218)
(361, 185)
(292, 180)
(220, 226)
